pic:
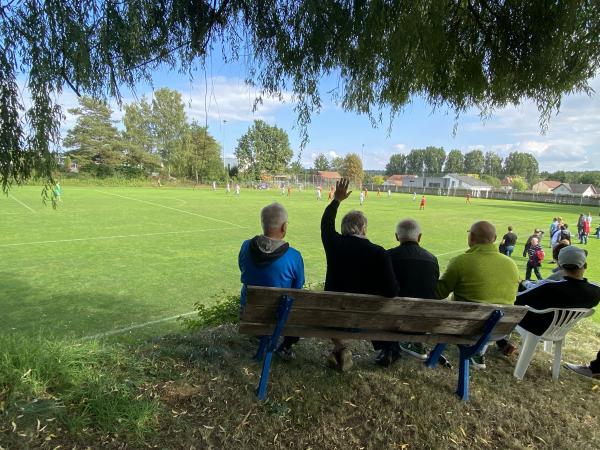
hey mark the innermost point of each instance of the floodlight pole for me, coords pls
(224, 123)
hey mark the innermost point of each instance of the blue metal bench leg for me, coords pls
(466, 352)
(285, 305)
(262, 346)
(463, 376)
(434, 355)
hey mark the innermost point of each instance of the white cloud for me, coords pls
(400, 148)
(231, 99)
(572, 140)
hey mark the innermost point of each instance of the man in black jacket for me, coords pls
(354, 264)
(573, 291)
(417, 272)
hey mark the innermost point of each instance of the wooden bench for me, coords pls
(275, 312)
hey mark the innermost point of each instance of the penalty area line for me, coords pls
(171, 208)
(21, 203)
(135, 327)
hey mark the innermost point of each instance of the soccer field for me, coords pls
(112, 258)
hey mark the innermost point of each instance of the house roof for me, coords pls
(577, 188)
(396, 178)
(507, 181)
(551, 184)
(328, 175)
(469, 180)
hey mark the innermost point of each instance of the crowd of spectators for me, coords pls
(481, 274)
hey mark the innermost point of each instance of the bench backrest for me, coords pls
(358, 316)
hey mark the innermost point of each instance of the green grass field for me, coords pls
(111, 258)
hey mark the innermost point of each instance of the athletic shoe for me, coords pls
(442, 361)
(285, 353)
(478, 362)
(387, 357)
(345, 359)
(340, 360)
(586, 371)
(508, 349)
(414, 349)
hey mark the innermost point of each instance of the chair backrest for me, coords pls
(564, 319)
(358, 316)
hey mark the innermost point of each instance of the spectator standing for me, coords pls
(585, 232)
(267, 260)
(536, 234)
(354, 264)
(509, 240)
(580, 222)
(417, 272)
(535, 255)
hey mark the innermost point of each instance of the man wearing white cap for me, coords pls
(573, 291)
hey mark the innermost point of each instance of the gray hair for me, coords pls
(353, 223)
(408, 230)
(273, 216)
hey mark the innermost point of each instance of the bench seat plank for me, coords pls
(328, 333)
(374, 321)
(338, 301)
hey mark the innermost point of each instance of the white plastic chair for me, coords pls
(564, 319)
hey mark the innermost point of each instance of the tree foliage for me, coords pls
(200, 156)
(519, 183)
(169, 124)
(492, 165)
(455, 53)
(353, 168)
(263, 148)
(522, 164)
(433, 159)
(94, 141)
(455, 162)
(396, 165)
(321, 162)
(415, 162)
(474, 162)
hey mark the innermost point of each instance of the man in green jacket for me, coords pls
(481, 274)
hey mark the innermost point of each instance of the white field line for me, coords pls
(21, 203)
(135, 327)
(171, 208)
(166, 319)
(122, 236)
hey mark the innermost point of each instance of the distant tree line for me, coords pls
(585, 177)
(349, 166)
(156, 137)
(434, 160)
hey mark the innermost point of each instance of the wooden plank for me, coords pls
(336, 301)
(375, 322)
(325, 333)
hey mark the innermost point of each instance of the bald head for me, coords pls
(482, 233)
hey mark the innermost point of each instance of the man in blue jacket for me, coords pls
(267, 260)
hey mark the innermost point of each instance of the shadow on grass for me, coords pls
(69, 312)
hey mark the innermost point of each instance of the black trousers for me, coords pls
(595, 364)
(536, 270)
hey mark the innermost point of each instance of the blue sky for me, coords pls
(572, 141)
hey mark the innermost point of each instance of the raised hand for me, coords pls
(341, 190)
